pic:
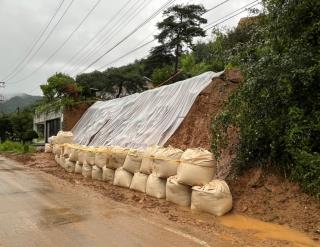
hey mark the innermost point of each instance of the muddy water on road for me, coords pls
(264, 230)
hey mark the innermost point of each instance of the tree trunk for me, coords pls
(120, 90)
(176, 63)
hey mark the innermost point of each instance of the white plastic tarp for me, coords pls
(141, 119)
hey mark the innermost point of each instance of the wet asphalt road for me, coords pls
(37, 209)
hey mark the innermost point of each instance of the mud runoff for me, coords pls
(84, 210)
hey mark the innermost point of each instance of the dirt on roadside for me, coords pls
(263, 196)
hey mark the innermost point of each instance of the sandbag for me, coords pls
(48, 148)
(82, 155)
(57, 149)
(96, 173)
(69, 165)
(147, 160)
(117, 157)
(107, 174)
(102, 158)
(86, 170)
(62, 161)
(166, 162)
(139, 182)
(90, 156)
(78, 168)
(133, 159)
(63, 137)
(51, 140)
(57, 158)
(74, 153)
(122, 178)
(197, 167)
(156, 186)
(214, 198)
(66, 150)
(178, 193)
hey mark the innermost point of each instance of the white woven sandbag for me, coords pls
(69, 165)
(74, 153)
(133, 159)
(166, 162)
(178, 193)
(139, 182)
(147, 159)
(57, 158)
(101, 158)
(90, 156)
(82, 155)
(48, 148)
(122, 178)
(117, 157)
(96, 173)
(57, 149)
(214, 198)
(64, 137)
(62, 161)
(86, 170)
(156, 186)
(51, 140)
(78, 168)
(66, 150)
(107, 174)
(197, 167)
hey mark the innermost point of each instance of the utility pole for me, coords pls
(2, 85)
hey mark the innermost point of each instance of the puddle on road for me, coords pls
(58, 216)
(264, 230)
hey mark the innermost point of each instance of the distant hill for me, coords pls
(21, 101)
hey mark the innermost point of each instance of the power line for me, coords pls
(143, 45)
(216, 6)
(106, 24)
(45, 40)
(231, 13)
(35, 42)
(64, 43)
(130, 34)
(110, 35)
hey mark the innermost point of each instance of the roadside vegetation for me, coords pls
(275, 109)
(16, 147)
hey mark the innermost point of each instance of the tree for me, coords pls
(60, 86)
(180, 26)
(22, 124)
(5, 127)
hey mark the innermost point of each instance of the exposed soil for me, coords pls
(263, 196)
(195, 130)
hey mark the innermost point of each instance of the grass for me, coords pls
(16, 147)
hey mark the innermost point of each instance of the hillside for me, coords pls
(21, 101)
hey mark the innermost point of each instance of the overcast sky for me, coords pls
(22, 21)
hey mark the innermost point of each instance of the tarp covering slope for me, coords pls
(141, 119)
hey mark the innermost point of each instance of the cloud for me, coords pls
(22, 21)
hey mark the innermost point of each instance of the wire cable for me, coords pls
(46, 39)
(63, 43)
(34, 43)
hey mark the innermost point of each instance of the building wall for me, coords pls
(72, 115)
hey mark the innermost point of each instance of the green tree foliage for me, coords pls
(22, 124)
(277, 108)
(182, 23)
(5, 127)
(60, 86)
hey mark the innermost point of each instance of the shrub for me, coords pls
(16, 147)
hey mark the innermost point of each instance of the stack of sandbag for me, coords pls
(48, 148)
(156, 187)
(197, 167)
(57, 149)
(86, 170)
(178, 193)
(117, 157)
(67, 148)
(78, 167)
(147, 159)
(166, 162)
(63, 137)
(122, 178)
(101, 160)
(133, 160)
(214, 198)
(139, 182)
(69, 165)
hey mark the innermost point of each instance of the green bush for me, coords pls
(277, 108)
(16, 147)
